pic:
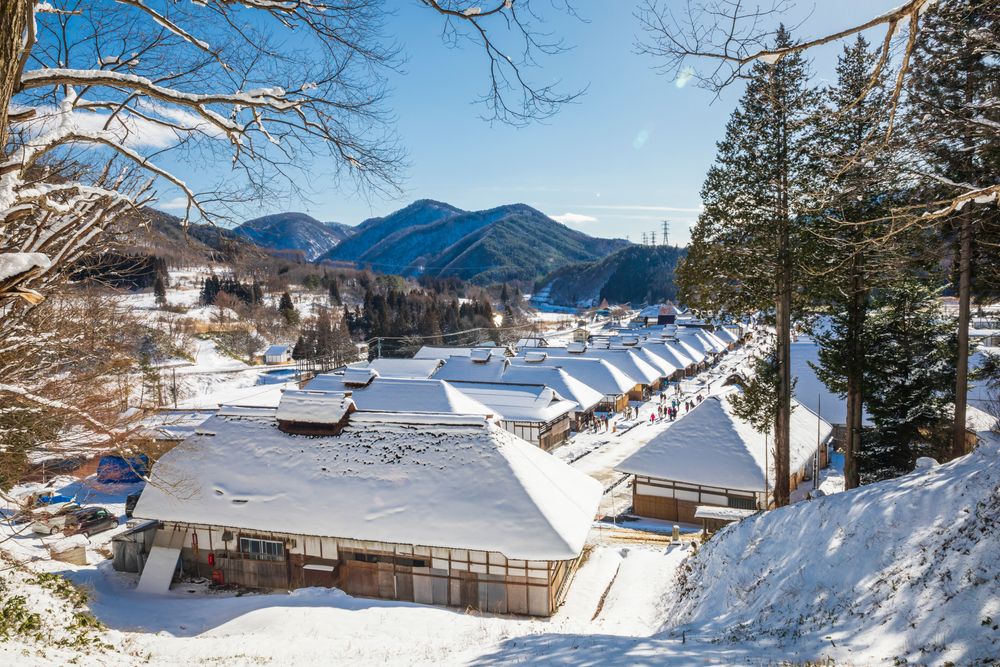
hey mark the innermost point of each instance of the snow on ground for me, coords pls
(906, 567)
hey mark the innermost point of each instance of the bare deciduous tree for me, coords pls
(104, 101)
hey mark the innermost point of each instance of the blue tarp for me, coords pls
(120, 470)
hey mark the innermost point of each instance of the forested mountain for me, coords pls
(163, 235)
(370, 232)
(295, 231)
(635, 274)
(512, 242)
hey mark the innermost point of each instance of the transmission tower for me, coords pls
(666, 231)
(652, 238)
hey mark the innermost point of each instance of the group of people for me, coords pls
(667, 409)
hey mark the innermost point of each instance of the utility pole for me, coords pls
(666, 231)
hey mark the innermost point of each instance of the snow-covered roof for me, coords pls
(468, 369)
(660, 309)
(714, 447)
(519, 402)
(595, 373)
(562, 382)
(462, 485)
(665, 368)
(277, 350)
(727, 334)
(314, 407)
(696, 339)
(671, 354)
(404, 395)
(721, 513)
(419, 369)
(359, 376)
(430, 352)
(696, 354)
(625, 360)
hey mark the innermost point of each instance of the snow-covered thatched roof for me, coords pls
(469, 369)
(519, 402)
(425, 480)
(595, 373)
(403, 395)
(714, 447)
(277, 350)
(406, 368)
(671, 354)
(625, 360)
(562, 382)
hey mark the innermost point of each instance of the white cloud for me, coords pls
(175, 204)
(573, 218)
(684, 76)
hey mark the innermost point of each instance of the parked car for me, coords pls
(89, 521)
(79, 520)
(50, 519)
(130, 503)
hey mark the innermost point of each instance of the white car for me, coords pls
(51, 519)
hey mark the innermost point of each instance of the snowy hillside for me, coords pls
(294, 231)
(906, 567)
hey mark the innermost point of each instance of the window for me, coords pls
(262, 549)
(398, 560)
(742, 503)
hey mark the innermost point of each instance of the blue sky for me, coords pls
(630, 153)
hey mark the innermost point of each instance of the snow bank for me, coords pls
(906, 567)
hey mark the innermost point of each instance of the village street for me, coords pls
(597, 454)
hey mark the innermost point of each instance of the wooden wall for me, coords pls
(486, 581)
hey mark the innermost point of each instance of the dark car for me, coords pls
(89, 521)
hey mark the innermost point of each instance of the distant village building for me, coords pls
(713, 458)
(534, 413)
(414, 369)
(278, 354)
(432, 352)
(372, 393)
(581, 335)
(434, 509)
(494, 369)
(658, 314)
(598, 374)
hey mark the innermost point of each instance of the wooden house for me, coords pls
(598, 374)
(711, 457)
(434, 509)
(278, 354)
(535, 413)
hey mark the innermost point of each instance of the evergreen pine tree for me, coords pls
(954, 83)
(744, 246)
(848, 256)
(160, 290)
(335, 292)
(910, 388)
(300, 350)
(287, 309)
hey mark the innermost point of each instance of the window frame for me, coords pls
(262, 553)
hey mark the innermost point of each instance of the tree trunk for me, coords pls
(962, 363)
(855, 373)
(782, 419)
(14, 17)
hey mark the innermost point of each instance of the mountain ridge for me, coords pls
(435, 238)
